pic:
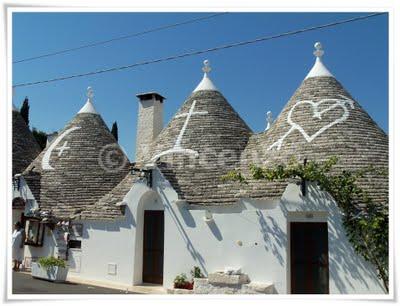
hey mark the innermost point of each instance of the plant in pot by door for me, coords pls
(50, 268)
(182, 282)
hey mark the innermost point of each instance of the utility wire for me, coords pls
(103, 42)
(192, 53)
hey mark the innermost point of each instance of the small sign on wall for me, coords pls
(112, 269)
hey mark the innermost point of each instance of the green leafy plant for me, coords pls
(47, 262)
(366, 226)
(196, 273)
(181, 281)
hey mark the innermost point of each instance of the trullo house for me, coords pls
(24, 150)
(151, 220)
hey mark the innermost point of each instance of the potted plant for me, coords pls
(196, 273)
(50, 268)
(182, 282)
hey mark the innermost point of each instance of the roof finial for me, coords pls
(318, 49)
(206, 67)
(88, 107)
(90, 93)
(319, 69)
(206, 83)
(270, 120)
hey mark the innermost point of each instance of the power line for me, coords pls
(192, 53)
(103, 42)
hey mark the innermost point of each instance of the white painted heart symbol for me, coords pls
(316, 114)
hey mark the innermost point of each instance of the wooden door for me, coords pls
(153, 246)
(309, 257)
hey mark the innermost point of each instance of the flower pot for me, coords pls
(53, 273)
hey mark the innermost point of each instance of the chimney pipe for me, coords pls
(149, 123)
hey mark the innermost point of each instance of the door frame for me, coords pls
(302, 216)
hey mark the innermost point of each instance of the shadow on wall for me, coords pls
(343, 261)
(215, 230)
(275, 240)
(188, 219)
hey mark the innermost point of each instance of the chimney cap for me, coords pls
(149, 95)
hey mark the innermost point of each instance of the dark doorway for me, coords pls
(309, 257)
(153, 246)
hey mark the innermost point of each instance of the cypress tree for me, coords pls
(114, 130)
(24, 111)
(40, 136)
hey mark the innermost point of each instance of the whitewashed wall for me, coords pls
(109, 249)
(262, 228)
(252, 235)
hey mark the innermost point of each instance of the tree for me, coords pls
(25, 110)
(114, 130)
(40, 136)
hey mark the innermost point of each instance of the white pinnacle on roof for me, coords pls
(88, 107)
(319, 68)
(206, 83)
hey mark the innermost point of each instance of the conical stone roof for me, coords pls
(202, 142)
(24, 146)
(322, 120)
(77, 168)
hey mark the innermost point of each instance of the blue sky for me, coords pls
(254, 78)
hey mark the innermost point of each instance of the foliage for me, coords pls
(114, 130)
(366, 225)
(196, 273)
(181, 281)
(41, 137)
(47, 262)
(24, 111)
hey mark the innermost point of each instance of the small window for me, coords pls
(74, 244)
(34, 231)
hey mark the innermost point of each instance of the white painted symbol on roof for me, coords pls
(177, 148)
(46, 157)
(62, 148)
(316, 114)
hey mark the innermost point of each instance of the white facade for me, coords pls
(252, 235)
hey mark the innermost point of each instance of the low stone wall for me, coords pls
(222, 283)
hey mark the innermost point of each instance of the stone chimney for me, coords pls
(149, 123)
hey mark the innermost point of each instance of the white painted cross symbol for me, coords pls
(177, 148)
(62, 148)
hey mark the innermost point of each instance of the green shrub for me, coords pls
(196, 273)
(47, 262)
(181, 281)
